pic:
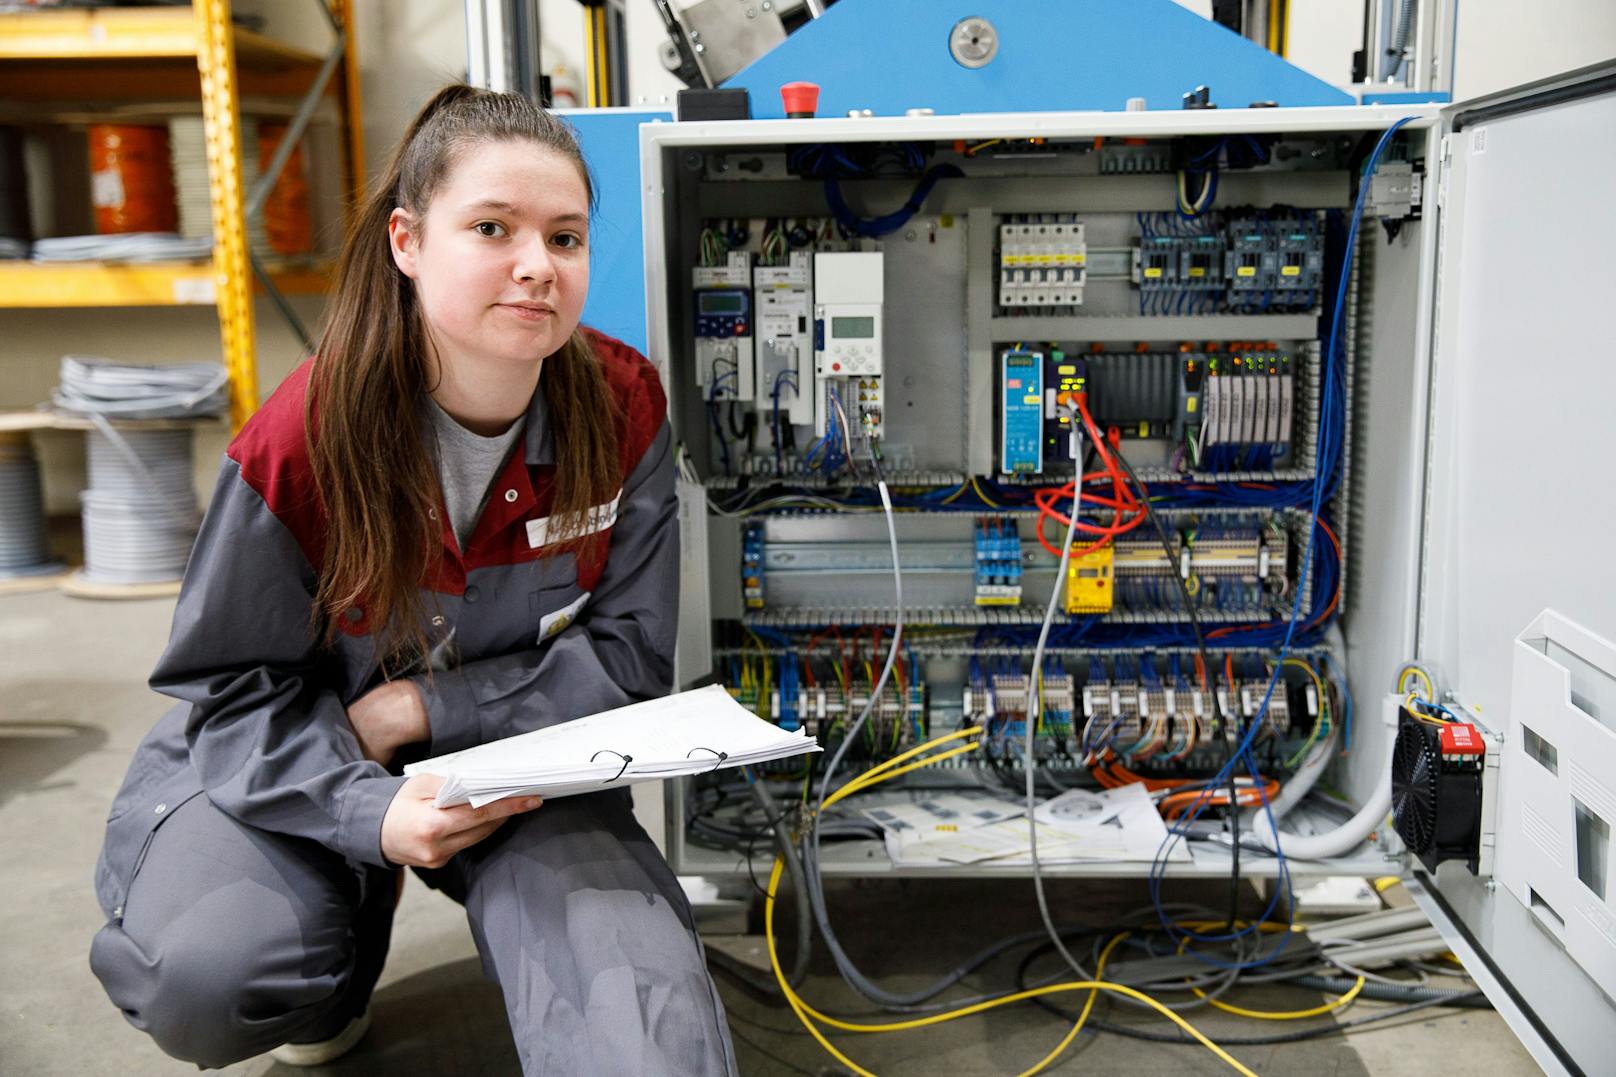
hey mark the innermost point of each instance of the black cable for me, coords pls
(776, 1059)
(787, 851)
(1211, 675)
(743, 430)
(1318, 1032)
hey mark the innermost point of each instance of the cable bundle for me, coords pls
(130, 391)
(1130, 512)
(140, 514)
(23, 549)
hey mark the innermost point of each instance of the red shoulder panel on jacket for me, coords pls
(273, 456)
(638, 388)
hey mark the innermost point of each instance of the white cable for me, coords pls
(140, 508)
(1029, 763)
(135, 391)
(1343, 839)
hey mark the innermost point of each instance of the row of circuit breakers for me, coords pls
(1244, 395)
(1252, 261)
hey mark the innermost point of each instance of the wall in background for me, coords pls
(1498, 44)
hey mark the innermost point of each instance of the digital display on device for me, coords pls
(844, 328)
(722, 303)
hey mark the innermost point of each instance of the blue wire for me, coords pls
(712, 413)
(1243, 753)
(774, 416)
(1346, 722)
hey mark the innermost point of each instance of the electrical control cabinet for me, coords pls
(1351, 456)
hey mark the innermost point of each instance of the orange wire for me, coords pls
(1174, 804)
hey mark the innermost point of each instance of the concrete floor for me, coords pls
(73, 704)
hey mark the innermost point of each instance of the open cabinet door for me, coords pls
(1520, 506)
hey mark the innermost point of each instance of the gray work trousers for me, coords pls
(234, 940)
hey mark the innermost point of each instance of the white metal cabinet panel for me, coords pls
(1523, 432)
(1519, 509)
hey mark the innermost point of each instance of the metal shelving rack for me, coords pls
(171, 53)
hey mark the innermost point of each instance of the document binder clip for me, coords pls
(716, 763)
(627, 759)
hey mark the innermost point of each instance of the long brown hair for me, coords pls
(377, 481)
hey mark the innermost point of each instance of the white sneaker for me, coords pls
(323, 1051)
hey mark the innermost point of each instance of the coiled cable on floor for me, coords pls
(140, 512)
(24, 550)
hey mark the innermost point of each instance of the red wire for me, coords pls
(1129, 511)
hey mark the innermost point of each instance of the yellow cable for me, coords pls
(968, 731)
(859, 785)
(768, 673)
(808, 1016)
(1323, 721)
(1408, 705)
(980, 493)
(1082, 1018)
(1285, 1015)
(1414, 670)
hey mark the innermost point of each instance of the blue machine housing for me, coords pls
(1054, 55)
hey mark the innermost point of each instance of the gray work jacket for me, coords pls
(535, 636)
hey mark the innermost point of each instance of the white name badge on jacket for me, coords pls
(553, 623)
(599, 519)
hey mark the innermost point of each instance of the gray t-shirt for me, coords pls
(468, 463)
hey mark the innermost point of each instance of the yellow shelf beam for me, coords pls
(94, 284)
(131, 34)
(216, 61)
(124, 53)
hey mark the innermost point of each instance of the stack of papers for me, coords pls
(686, 733)
(972, 828)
